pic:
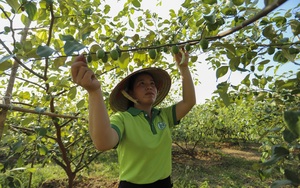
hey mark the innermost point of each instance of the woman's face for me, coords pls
(144, 89)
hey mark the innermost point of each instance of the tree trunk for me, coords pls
(10, 86)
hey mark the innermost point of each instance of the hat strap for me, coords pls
(127, 96)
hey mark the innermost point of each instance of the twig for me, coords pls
(261, 14)
(19, 61)
(28, 81)
(19, 109)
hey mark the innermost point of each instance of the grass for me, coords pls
(214, 168)
(210, 167)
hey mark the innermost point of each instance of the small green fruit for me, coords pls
(271, 50)
(105, 58)
(100, 53)
(152, 53)
(204, 44)
(165, 49)
(238, 2)
(175, 49)
(187, 47)
(89, 58)
(114, 54)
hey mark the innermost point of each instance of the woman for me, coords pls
(139, 132)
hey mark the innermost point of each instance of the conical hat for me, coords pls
(118, 102)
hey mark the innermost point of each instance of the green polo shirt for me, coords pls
(144, 149)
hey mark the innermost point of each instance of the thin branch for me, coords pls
(49, 41)
(19, 61)
(261, 14)
(28, 131)
(19, 109)
(10, 26)
(78, 168)
(10, 86)
(28, 81)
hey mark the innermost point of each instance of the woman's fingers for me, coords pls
(75, 68)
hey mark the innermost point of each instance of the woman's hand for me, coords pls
(84, 76)
(182, 58)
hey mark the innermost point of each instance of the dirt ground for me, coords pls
(249, 153)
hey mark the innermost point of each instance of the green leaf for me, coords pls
(234, 63)
(72, 93)
(41, 131)
(14, 4)
(31, 10)
(67, 37)
(261, 96)
(289, 84)
(288, 136)
(221, 71)
(278, 152)
(5, 58)
(291, 118)
(131, 24)
(269, 32)
(295, 26)
(228, 46)
(60, 61)
(25, 20)
(292, 175)
(255, 82)
(88, 11)
(280, 21)
(31, 170)
(5, 66)
(210, 18)
(42, 149)
(222, 90)
(18, 147)
(229, 11)
(290, 56)
(1, 166)
(210, 2)
(124, 60)
(246, 80)
(194, 58)
(72, 46)
(106, 9)
(264, 62)
(80, 104)
(186, 4)
(281, 183)
(44, 51)
(136, 3)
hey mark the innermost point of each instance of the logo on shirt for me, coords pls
(161, 125)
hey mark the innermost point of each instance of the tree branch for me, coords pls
(14, 108)
(261, 14)
(10, 86)
(28, 81)
(18, 61)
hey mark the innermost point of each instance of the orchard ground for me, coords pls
(214, 165)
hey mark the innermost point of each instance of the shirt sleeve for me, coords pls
(117, 123)
(170, 112)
